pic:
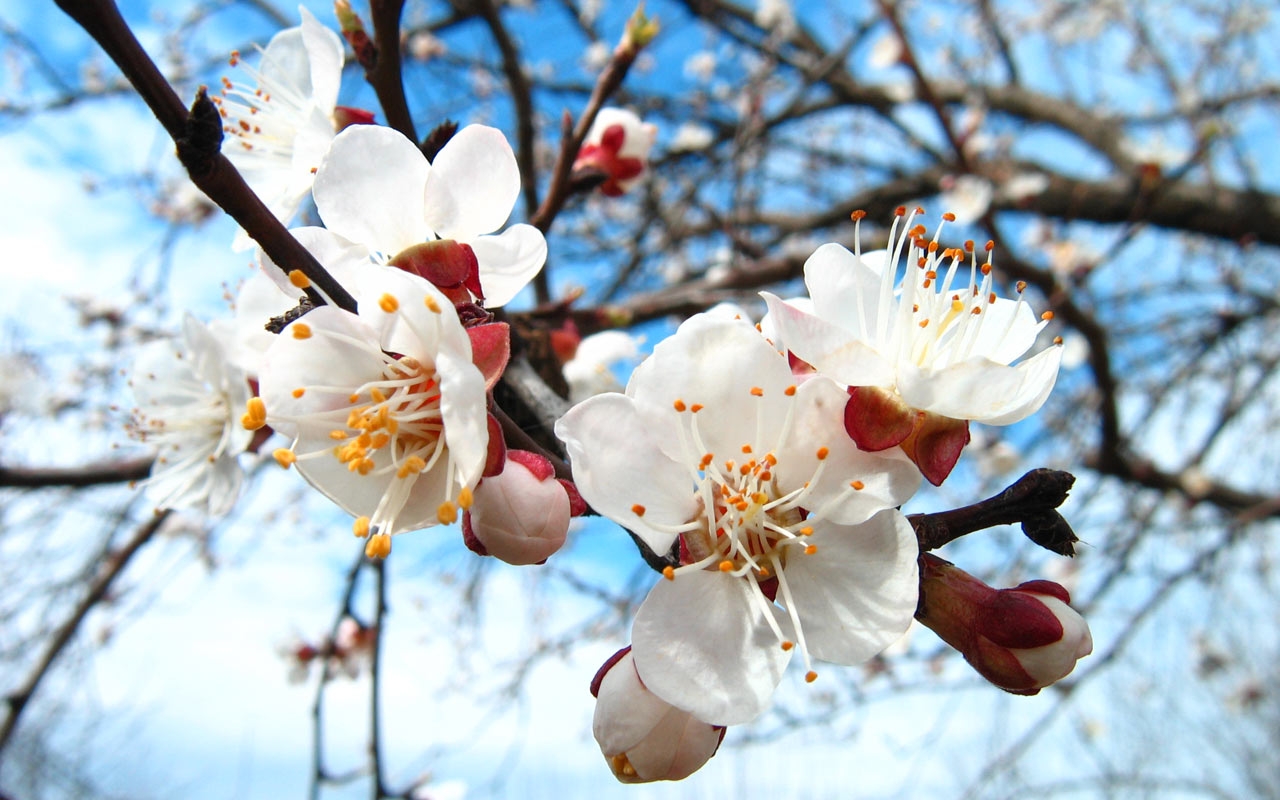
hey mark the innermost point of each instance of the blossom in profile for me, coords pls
(618, 145)
(385, 407)
(189, 399)
(643, 737)
(924, 357)
(1021, 639)
(435, 219)
(280, 128)
(785, 533)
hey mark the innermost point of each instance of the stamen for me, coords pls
(810, 676)
(360, 527)
(379, 546)
(299, 279)
(284, 457)
(447, 513)
(638, 510)
(669, 573)
(301, 330)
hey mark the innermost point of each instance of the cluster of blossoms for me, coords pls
(763, 466)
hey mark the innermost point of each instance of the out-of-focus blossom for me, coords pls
(1021, 639)
(788, 538)
(589, 372)
(701, 66)
(886, 51)
(643, 737)
(691, 136)
(618, 144)
(189, 400)
(776, 16)
(967, 197)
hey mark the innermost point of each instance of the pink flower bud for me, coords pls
(1021, 639)
(643, 737)
(618, 144)
(520, 515)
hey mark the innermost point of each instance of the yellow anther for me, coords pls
(823, 453)
(726, 566)
(388, 303)
(859, 485)
(337, 435)
(810, 549)
(806, 531)
(298, 393)
(756, 391)
(284, 457)
(1046, 316)
(790, 391)
(465, 497)
(669, 573)
(360, 527)
(377, 395)
(379, 546)
(810, 676)
(431, 304)
(949, 217)
(255, 414)
(1057, 340)
(746, 448)
(638, 510)
(355, 398)
(366, 466)
(380, 441)
(787, 645)
(696, 407)
(301, 330)
(299, 279)
(766, 475)
(760, 498)
(447, 513)
(957, 306)
(679, 405)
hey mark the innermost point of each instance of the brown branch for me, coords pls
(385, 75)
(76, 477)
(522, 99)
(115, 564)
(1031, 501)
(198, 134)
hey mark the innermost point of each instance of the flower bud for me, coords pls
(643, 737)
(521, 515)
(618, 145)
(1021, 639)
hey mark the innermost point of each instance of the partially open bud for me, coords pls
(643, 737)
(1021, 639)
(618, 144)
(521, 515)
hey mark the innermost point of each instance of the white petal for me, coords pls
(369, 189)
(617, 466)
(715, 363)
(832, 350)
(702, 644)
(473, 185)
(844, 288)
(888, 478)
(293, 363)
(508, 262)
(625, 712)
(325, 53)
(857, 594)
(982, 390)
(1004, 335)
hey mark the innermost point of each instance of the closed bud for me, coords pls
(520, 515)
(618, 145)
(643, 737)
(1021, 639)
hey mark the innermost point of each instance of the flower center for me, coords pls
(748, 526)
(267, 119)
(935, 323)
